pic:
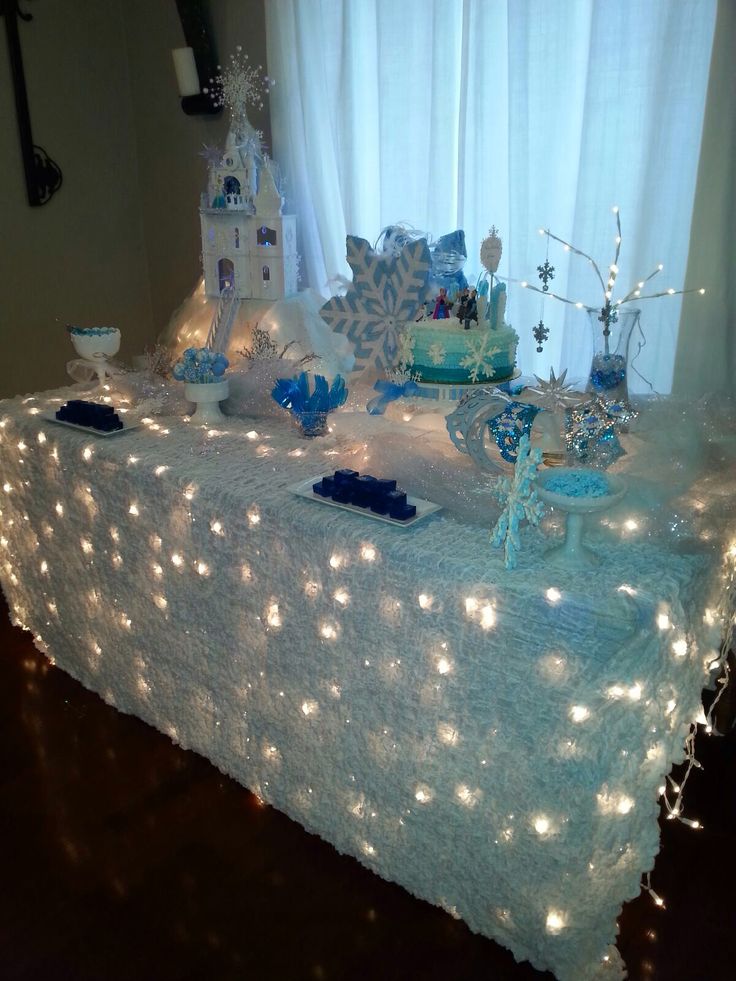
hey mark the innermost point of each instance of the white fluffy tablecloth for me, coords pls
(492, 741)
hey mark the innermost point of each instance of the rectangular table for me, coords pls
(493, 741)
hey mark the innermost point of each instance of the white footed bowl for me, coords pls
(94, 346)
(573, 552)
(207, 397)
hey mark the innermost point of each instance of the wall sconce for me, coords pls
(196, 63)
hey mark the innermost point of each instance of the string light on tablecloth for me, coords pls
(467, 796)
(647, 885)
(542, 825)
(579, 713)
(556, 921)
(448, 734)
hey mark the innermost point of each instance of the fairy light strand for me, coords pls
(607, 312)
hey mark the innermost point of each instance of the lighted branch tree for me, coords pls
(608, 312)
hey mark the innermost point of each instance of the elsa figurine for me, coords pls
(219, 199)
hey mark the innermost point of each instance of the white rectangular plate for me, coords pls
(424, 508)
(127, 426)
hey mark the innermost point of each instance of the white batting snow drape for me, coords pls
(523, 114)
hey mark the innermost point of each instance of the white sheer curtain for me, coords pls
(519, 113)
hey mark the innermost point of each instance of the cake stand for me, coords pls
(572, 552)
(207, 397)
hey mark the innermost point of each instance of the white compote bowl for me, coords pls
(572, 552)
(96, 345)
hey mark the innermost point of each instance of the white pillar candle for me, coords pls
(186, 71)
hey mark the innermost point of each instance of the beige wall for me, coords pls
(119, 243)
(80, 258)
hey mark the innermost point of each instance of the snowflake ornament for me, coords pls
(387, 293)
(239, 85)
(405, 341)
(479, 359)
(437, 354)
(518, 496)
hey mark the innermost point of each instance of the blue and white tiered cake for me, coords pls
(476, 347)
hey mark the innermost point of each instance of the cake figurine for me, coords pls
(441, 305)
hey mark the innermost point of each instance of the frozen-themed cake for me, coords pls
(463, 339)
(443, 351)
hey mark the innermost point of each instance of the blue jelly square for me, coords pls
(345, 476)
(402, 512)
(396, 498)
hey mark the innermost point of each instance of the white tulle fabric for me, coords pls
(395, 691)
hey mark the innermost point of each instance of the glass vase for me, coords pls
(609, 369)
(310, 424)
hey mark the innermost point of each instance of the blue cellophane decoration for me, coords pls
(310, 407)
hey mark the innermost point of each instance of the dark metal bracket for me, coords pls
(43, 175)
(198, 37)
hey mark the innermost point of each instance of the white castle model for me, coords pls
(248, 246)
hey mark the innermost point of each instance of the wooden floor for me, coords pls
(124, 857)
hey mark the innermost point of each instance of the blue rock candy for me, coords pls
(579, 483)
